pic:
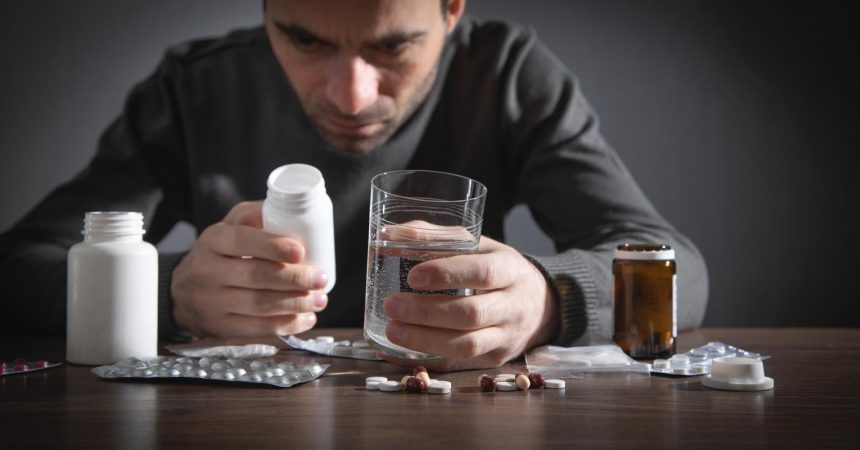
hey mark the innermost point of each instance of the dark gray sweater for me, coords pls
(204, 131)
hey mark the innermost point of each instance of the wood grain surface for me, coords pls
(815, 404)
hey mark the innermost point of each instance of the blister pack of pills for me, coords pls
(327, 345)
(571, 362)
(24, 366)
(197, 350)
(256, 371)
(698, 361)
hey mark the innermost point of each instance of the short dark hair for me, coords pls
(442, 3)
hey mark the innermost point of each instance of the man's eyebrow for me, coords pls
(298, 31)
(393, 38)
(398, 37)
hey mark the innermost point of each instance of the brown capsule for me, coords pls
(488, 383)
(523, 382)
(404, 379)
(423, 376)
(418, 369)
(483, 375)
(415, 385)
(536, 379)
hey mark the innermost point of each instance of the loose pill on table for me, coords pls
(506, 377)
(404, 379)
(506, 386)
(553, 384)
(424, 377)
(415, 385)
(536, 379)
(371, 385)
(418, 369)
(488, 383)
(390, 386)
(439, 388)
(378, 379)
(523, 382)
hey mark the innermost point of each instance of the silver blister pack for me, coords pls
(265, 371)
(327, 345)
(697, 361)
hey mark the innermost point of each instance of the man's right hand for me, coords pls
(239, 280)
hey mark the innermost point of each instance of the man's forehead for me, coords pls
(356, 21)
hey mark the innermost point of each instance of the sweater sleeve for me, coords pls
(582, 196)
(138, 167)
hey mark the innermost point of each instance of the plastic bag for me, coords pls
(568, 362)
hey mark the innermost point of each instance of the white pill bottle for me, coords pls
(112, 302)
(297, 206)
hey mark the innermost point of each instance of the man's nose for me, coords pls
(353, 86)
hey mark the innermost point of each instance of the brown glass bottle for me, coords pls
(645, 303)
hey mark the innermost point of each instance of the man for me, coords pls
(354, 89)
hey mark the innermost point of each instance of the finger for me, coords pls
(246, 213)
(266, 303)
(236, 325)
(444, 311)
(452, 344)
(484, 271)
(262, 274)
(241, 240)
(419, 230)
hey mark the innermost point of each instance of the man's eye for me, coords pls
(393, 48)
(305, 43)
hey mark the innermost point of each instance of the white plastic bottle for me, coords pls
(112, 303)
(297, 206)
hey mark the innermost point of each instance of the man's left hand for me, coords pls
(512, 311)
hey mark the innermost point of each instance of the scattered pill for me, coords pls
(536, 379)
(405, 379)
(488, 383)
(523, 382)
(505, 377)
(440, 382)
(372, 385)
(424, 377)
(553, 384)
(506, 386)
(416, 385)
(376, 379)
(418, 369)
(439, 388)
(390, 386)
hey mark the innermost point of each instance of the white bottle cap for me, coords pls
(738, 374)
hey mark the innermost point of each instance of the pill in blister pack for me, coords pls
(327, 345)
(698, 361)
(24, 366)
(258, 371)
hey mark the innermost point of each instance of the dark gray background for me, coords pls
(739, 119)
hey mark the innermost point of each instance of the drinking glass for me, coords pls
(415, 216)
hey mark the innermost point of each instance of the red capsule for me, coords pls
(536, 380)
(488, 384)
(415, 385)
(418, 369)
(40, 364)
(21, 367)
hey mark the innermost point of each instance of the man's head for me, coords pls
(360, 67)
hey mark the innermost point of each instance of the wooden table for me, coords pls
(815, 404)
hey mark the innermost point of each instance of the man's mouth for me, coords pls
(351, 128)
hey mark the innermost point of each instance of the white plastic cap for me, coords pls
(644, 252)
(738, 374)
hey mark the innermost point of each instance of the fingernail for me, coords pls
(310, 319)
(418, 279)
(320, 300)
(393, 306)
(320, 279)
(396, 333)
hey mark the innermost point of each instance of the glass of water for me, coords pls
(415, 216)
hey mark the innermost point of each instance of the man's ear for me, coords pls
(454, 13)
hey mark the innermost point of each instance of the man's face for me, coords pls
(359, 67)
